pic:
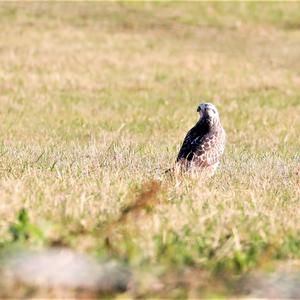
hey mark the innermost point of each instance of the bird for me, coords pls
(204, 144)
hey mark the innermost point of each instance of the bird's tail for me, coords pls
(169, 171)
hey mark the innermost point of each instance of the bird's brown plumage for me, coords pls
(204, 144)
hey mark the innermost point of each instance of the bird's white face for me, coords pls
(208, 110)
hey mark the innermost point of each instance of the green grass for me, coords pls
(95, 101)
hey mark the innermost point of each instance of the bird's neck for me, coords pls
(207, 124)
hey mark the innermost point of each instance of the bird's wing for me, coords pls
(190, 144)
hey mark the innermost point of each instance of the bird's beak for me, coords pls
(199, 109)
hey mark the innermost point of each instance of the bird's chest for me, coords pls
(209, 149)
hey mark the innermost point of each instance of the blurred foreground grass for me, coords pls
(95, 100)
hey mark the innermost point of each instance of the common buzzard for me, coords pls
(204, 144)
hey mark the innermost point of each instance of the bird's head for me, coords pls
(209, 112)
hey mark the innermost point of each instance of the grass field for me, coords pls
(95, 101)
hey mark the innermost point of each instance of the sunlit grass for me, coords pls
(95, 101)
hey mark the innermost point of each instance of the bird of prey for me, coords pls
(204, 144)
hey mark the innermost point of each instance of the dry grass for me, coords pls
(95, 100)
